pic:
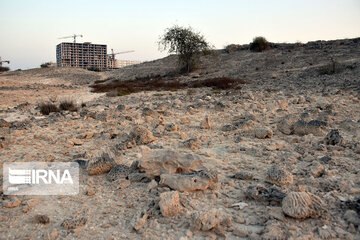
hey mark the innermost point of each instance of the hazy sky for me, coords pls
(30, 29)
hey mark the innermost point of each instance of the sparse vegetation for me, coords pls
(93, 68)
(68, 105)
(331, 68)
(45, 65)
(4, 69)
(259, 44)
(46, 108)
(122, 88)
(187, 43)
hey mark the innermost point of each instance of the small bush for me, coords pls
(4, 69)
(93, 68)
(68, 105)
(259, 44)
(45, 65)
(331, 68)
(47, 108)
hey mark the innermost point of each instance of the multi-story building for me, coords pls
(82, 55)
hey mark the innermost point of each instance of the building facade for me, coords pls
(82, 55)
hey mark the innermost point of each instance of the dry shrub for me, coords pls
(68, 105)
(121, 88)
(46, 108)
(259, 44)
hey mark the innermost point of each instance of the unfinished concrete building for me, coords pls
(82, 55)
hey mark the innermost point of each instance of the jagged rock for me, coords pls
(209, 219)
(205, 124)
(139, 220)
(43, 219)
(138, 177)
(325, 159)
(101, 164)
(352, 217)
(314, 127)
(317, 170)
(228, 127)
(286, 125)
(73, 223)
(219, 106)
(169, 204)
(303, 205)
(333, 138)
(120, 107)
(262, 193)
(354, 204)
(4, 124)
(124, 144)
(141, 135)
(275, 230)
(171, 127)
(279, 176)
(192, 143)
(160, 161)
(263, 133)
(189, 182)
(149, 112)
(121, 171)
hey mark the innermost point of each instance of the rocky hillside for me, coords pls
(277, 159)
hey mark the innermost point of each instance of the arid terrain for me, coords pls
(277, 157)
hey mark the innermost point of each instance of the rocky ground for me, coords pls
(278, 159)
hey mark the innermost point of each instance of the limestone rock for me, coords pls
(157, 162)
(333, 138)
(275, 230)
(303, 205)
(11, 203)
(100, 165)
(171, 127)
(261, 193)
(286, 125)
(189, 182)
(43, 219)
(263, 133)
(141, 135)
(192, 143)
(121, 171)
(209, 219)
(314, 127)
(169, 204)
(279, 176)
(139, 220)
(149, 112)
(73, 223)
(244, 175)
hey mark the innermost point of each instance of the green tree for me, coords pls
(187, 43)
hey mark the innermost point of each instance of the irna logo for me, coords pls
(41, 178)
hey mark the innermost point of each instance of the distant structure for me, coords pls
(82, 55)
(124, 63)
(115, 64)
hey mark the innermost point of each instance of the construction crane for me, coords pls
(1, 62)
(72, 36)
(112, 54)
